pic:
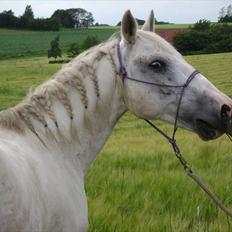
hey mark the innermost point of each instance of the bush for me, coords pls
(204, 38)
(74, 50)
(90, 41)
(202, 25)
(55, 50)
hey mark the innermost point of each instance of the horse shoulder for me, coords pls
(38, 193)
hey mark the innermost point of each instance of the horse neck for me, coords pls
(75, 112)
(105, 104)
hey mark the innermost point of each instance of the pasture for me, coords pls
(136, 183)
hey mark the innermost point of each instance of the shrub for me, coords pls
(202, 25)
(90, 41)
(204, 38)
(74, 50)
(55, 50)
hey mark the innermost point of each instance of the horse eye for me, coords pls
(157, 65)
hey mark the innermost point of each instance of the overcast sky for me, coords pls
(110, 11)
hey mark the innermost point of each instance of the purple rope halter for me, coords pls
(171, 140)
(124, 75)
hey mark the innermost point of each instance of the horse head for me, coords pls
(155, 76)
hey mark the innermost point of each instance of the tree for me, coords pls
(64, 18)
(87, 20)
(74, 17)
(7, 19)
(225, 15)
(229, 11)
(28, 13)
(81, 17)
(26, 20)
(222, 13)
(55, 50)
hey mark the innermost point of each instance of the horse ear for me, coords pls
(148, 25)
(129, 27)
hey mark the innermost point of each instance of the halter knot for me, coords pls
(123, 73)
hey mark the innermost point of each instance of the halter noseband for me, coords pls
(124, 75)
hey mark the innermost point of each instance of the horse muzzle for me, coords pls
(226, 119)
(208, 131)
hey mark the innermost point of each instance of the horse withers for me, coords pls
(48, 141)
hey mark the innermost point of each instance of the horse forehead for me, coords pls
(158, 44)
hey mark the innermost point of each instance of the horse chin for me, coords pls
(206, 131)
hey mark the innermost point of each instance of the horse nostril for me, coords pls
(224, 110)
(226, 119)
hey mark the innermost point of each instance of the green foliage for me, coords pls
(136, 184)
(89, 41)
(64, 18)
(7, 19)
(27, 21)
(74, 50)
(73, 17)
(202, 25)
(55, 50)
(28, 14)
(204, 38)
(225, 15)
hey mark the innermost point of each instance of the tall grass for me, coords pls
(136, 183)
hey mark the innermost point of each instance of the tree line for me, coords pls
(207, 37)
(225, 14)
(204, 37)
(70, 18)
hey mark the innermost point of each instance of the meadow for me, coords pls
(136, 184)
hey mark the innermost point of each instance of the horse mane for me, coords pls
(39, 102)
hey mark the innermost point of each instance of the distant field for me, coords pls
(158, 26)
(18, 43)
(136, 184)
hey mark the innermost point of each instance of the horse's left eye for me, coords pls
(157, 65)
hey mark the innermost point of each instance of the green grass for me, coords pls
(136, 184)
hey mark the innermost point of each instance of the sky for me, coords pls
(111, 11)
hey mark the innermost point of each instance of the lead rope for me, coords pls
(190, 172)
(171, 140)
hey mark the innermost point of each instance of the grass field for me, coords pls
(136, 184)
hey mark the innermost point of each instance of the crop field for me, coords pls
(18, 43)
(136, 184)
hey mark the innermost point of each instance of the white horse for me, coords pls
(48, 141)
